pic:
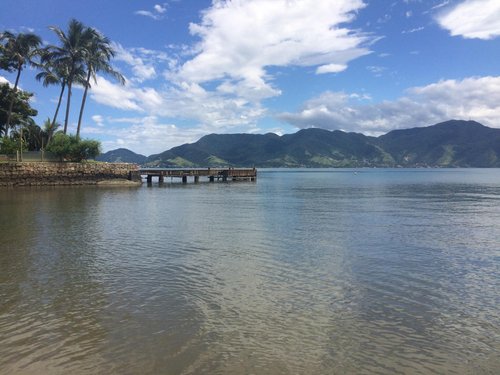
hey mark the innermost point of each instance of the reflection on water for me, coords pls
(305, 271)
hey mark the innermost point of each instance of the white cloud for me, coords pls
(115, 96)
(212, 108)
(98, 119)
(471, 98)
(5, 80)
(214, 112)
(473, 19)
(376, 70)
(410, 31)
(160, 8)
(188, 100)
(145, 135)
(331, 68)
(156, 14)
(240, 39)
(224, 78)
(440, 5)
(27, 29)
(141, 70)
(149, 14)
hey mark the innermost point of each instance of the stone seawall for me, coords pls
(50, 173)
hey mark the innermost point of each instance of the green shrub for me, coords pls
(71, 148)
(85, 149)
(60, 145)
(9, 146)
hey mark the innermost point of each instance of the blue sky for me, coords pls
(195, 67)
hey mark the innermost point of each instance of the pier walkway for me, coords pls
(223, 174)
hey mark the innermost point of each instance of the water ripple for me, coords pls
(304, 272)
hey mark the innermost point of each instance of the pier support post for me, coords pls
(211, 179)
(184, 179)
(149, 179)
(196, 179)
(160, 179)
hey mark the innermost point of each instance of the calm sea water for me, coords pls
(301, 272)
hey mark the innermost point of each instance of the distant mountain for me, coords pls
(122, 155)
(449, 144)
(306, 148)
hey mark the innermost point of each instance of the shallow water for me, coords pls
(301, 272)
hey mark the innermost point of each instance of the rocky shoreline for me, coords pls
(64, 173)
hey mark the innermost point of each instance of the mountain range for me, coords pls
(453, 143)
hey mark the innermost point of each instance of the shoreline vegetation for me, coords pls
(54, 157)
(80, 54)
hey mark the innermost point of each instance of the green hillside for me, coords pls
(122, 155)
(449, 144)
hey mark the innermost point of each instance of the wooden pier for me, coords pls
(219, 174)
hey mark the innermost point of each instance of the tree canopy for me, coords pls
(80, 54)
(21, 108)
(17, 51)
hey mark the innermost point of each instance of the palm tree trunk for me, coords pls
(63, 86)
(11, 104)
(83, 104)
(67, 108)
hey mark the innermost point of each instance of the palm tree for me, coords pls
(99, 54)
(51, 75)
(71, 54)
(56, 72)
(49, 129)
(16, 52)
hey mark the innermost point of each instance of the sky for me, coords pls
(196, 67)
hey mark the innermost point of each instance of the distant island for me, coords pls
(452, 144)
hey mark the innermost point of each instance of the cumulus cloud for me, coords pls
(240, 39)
(221, 81)
(188, 100)
(113, 95)
(213, 112)
(145, 135)
(476, 98)
(160, 8)
(216, 109)
(473, 19)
